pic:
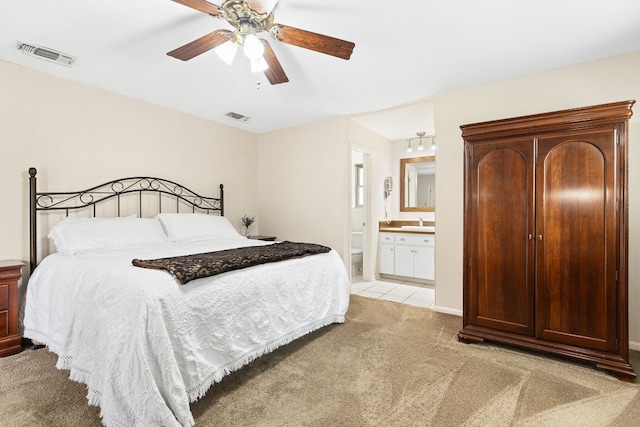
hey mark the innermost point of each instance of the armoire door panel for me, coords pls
(576, 249)
(501, 282)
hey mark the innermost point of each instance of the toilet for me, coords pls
(356, 253)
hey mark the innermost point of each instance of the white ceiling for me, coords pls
(405, 52)
(401, 122)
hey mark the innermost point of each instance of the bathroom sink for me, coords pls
(423, 228)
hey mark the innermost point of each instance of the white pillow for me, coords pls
(74, 235)
(188, 227)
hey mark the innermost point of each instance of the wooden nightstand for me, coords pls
(9, 334)
(266, 238)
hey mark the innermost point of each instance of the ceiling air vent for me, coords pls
(46, 54)
(236, 116)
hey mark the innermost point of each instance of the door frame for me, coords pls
(367, 274)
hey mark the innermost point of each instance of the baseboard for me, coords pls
(447, 310)
(634, 345)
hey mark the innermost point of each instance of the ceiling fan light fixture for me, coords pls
(227, 51)
(253, 47)
(258, 65)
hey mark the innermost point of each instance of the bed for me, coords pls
(144, 344)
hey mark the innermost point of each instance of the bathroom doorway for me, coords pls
(359, 215)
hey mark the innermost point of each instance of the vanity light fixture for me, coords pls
(420, 144)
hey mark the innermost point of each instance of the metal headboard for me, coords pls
(113, 190)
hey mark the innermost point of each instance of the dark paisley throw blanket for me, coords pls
(189, 267)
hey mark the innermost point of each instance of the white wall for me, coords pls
(610, 80)
(303, 184)
(78, 136)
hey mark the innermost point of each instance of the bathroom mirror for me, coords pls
(418, 184)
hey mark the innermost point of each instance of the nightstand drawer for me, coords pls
(4, 297)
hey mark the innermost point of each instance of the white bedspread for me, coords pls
(147, 346)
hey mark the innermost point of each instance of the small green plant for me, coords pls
(247, 222)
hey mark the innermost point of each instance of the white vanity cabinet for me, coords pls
(409, 255)
(415, 255)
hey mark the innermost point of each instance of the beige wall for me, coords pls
(294, 180)
(610, 80)
(78, 136)
(302, 183)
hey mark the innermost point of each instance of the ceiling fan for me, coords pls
(250, 17)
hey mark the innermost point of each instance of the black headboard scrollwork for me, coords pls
(114, 191)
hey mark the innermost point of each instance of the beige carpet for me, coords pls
(388, 365)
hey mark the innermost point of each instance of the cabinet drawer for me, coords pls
(387, 238)
(416, 240)
(4, 297)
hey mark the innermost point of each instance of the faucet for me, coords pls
(420, 223)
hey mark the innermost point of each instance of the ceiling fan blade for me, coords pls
(314, 41)
(201, 45)
(275, 74)
(201, 5)
(262, 6)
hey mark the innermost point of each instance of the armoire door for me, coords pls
(576, 238)
(501, 291)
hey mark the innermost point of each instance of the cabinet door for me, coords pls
(424, 262)
(499, 280)
(404, 260)
(386, 258)
(576, 247)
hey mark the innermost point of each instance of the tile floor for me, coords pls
(403, 292)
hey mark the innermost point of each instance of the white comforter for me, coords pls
(147, 346)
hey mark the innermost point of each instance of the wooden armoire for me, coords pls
(545, 234)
